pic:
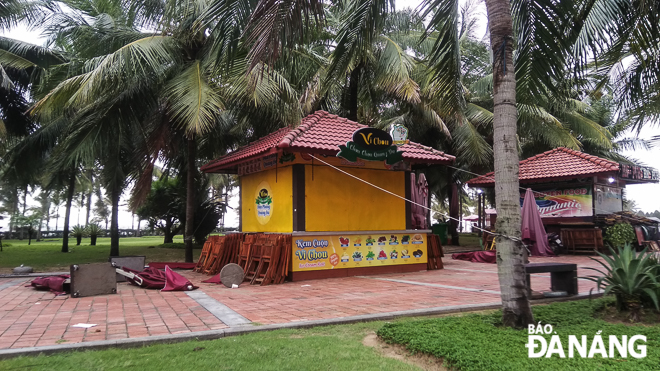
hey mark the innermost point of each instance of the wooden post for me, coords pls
(479, 214)
(298, 197)
(408, 195)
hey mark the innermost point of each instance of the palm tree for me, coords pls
(512, 257)
(525, 91)
(151, 89)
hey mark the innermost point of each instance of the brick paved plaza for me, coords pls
(31, 318)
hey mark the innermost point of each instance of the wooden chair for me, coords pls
(264, 265)
(489, 242)
(253, 261)
(244, 251)
(214, 256)
(204, 255)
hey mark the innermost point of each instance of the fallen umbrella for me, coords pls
(152, 278)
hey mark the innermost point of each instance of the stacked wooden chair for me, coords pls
(435, 253)
(264, 258)
(217, 252)
(204, 256)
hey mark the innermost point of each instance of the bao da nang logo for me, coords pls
(264, 203)
(583, 346)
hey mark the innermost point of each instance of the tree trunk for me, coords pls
(453, 207)
(168, 238)
(190, 200)
(67, 216)
(511, 255)
(89, 196)
(25, 192)
(57, 216)
(353, 91)
(115, 194)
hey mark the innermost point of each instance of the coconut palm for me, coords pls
(533, 93)
(152, 89)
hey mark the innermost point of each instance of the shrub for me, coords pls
(630, 276)
(620, 234)
(93, 231)
(78, 232)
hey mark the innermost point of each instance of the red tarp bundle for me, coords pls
(533, 231)
(214, 279)
(152, 278)
(172, 265)
(176, 282)
(477, 256)
(53, 283)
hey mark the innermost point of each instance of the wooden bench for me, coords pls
(563, 277)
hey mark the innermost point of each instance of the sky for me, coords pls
(646, 196)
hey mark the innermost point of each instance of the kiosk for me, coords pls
(347, 215)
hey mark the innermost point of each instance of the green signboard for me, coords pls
(372, 145)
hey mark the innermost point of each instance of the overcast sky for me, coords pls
(646, 196)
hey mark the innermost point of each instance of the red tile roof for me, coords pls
(320, 132)
(555, 164)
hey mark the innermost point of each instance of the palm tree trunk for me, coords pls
(453, 206)
(69, 199)
(89, 196)
(25, 192)
(511, 254)
(41, 221)
(115, 194)
(353, 90)
(190, 200)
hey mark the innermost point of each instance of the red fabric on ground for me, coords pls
(172, 265)
(53, 283)
(477, 256)
(176, 282)
(152, 278)
(214, 279)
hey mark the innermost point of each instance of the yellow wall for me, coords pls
(337, 202)
(281, 219)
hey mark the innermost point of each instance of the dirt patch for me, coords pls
(648, 317)
(399, 352)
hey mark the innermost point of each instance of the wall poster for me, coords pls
(563, 202)
(319, 252)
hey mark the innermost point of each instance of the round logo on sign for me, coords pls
(264, 203)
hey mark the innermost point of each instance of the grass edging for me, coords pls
(246, 329)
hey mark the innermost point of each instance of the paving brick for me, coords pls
(136, 313)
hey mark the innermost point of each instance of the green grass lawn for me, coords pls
(46, 255)
(465, 342)
(321, 348)
(478, 342)
(469, 240)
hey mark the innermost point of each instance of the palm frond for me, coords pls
(276, 24)
(194, 104)
(393, 68)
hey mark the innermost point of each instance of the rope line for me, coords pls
(413, 202)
